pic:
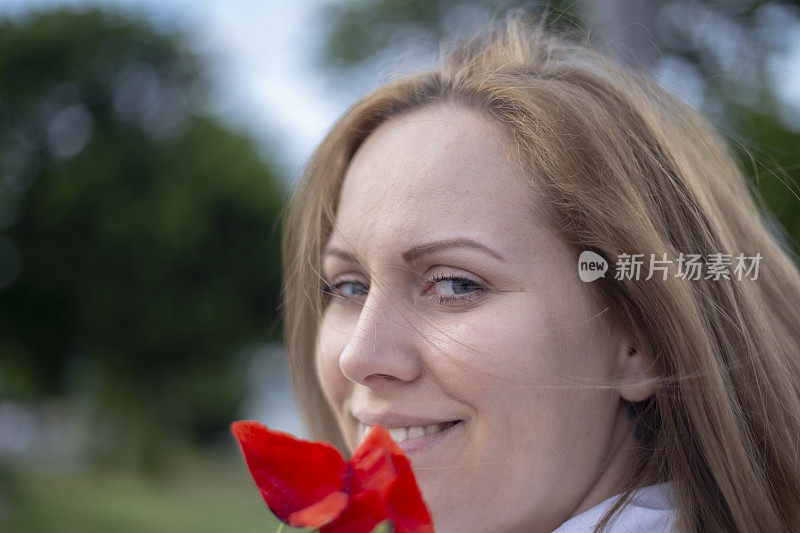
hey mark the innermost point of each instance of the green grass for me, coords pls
(202, 495)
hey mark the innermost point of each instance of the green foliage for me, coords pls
(768, 151)
(143, 234)
(735, 49)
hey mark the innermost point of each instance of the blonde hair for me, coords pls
(624, 168)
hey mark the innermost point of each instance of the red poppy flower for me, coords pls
(309, 484)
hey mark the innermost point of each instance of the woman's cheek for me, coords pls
(331, 341)
(505, 341)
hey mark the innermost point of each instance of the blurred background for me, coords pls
(146, 151)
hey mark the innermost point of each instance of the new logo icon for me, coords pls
(591, 266)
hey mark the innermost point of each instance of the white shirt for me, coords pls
(649, 510)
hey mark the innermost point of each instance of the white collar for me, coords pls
(649, 510)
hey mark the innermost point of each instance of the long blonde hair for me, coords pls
(625, 168)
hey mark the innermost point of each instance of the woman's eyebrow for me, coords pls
(415, 252)
(427, 248)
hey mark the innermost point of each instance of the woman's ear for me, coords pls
(634, 373)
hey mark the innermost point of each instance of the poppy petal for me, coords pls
(372, 464)
(404, 502)
(321, 512)
(379, 465)
(292, 474)
(364, 512)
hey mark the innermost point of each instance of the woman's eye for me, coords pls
(341, 292)
(350, 288)
(454, 290)
(445, 290)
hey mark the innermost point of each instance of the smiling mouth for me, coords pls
(401, 434)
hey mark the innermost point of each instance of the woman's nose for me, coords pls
(381, 349)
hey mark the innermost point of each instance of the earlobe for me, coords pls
(635, 380)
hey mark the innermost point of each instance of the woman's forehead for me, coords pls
(441, 148)
(432, 170)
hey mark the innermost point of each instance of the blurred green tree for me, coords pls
(736, 56)
(138, 236)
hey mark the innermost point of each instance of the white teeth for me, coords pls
(401, 434)
(415, 432)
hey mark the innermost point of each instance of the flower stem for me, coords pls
(387, 526)
(280, 528)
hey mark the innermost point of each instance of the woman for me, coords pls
(433, 286)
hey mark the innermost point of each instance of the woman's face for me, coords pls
(457, 303)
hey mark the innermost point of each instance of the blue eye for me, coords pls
(342, 291)
(349, 289)
(449, 290)
(455, 290)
